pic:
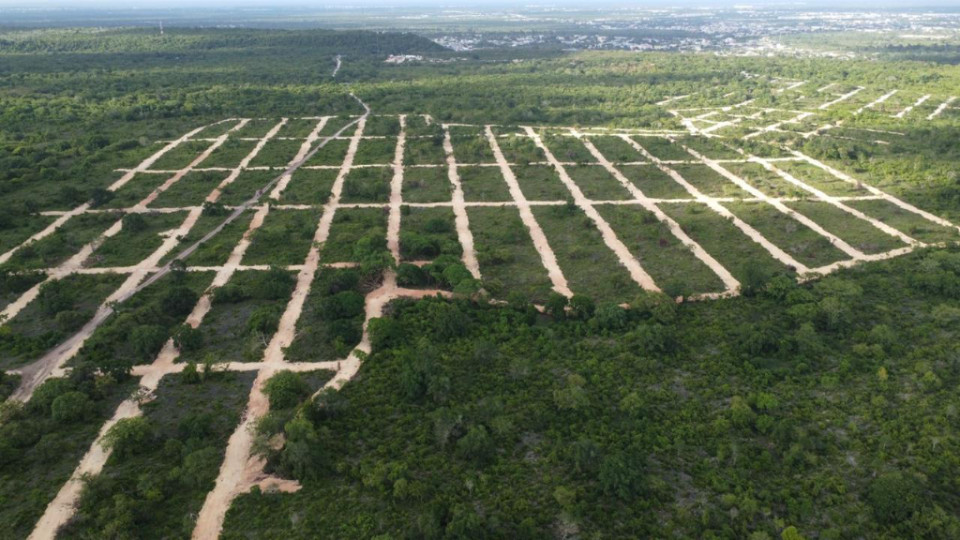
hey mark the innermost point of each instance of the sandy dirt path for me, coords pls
(461, 219)
(547, 256)
(916, 104)
(876, 102)
(939, 110)
(627, 260)
(729, 282)
(842, 98)
(336, 68)
(239, 469)
(841, 244)
(744, 227)
(304, 150)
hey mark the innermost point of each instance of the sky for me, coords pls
(161, 4)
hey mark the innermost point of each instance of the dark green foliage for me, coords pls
(286, 389)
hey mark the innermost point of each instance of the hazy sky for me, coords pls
(160, 4)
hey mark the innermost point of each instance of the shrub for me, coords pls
(70, 407)
(286, 389)
(129, 436)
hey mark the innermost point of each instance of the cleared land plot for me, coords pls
(519, 149)
(190, 423)
(590, 267)
(382, 125)
(62, 307)
(417, 125)
(216, 130)
(276, 153)
(215, 251)
(427, 233)
(424, 151)
(723, 240)
(15, 283)
(376, 151)
(821, 179)
(853, 230)
(257, 127)
(15, 229)
(332, 153)
(141, 235)
(672, 265)
(350, 226)
(709, 181)
(616, 149)
(427, 185)
(245, 313)
(905, 221)
(540, 183)
(805, 245)
(191, 190)
(180, 156)
(508, 260)
(334, 124)
(766, 181)
(566, 148)
(332, 320)
(245, 186)
(54, 249)
(134, 191)
(299, 128)
(309, 186)
(230, 153)
(367, 185)
(284, 238)
(471, 148)
(662, 148)
(484, 184)
(598, 184)
(653, 182)
(710, 148)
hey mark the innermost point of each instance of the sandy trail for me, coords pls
(547, 256)
(844, 97)
(744, 227)
(461, 219)
(876, 102)
(939, 110)
(731, 284)
(841, 244)
(304, 150)
(396, 193)
(336, 68)
(775, 126)
(883, 195)
(916, 104)
(239, 469)
(631, 263)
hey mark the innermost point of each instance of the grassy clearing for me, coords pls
(424, 151)
(67, 241)
(134, 191)
(907, 222)
(230, 153)
(855, 231)
(376, 151)
(167, 475)
(567, 148)
(309, 186)
(349, 226)
(709, 182)
(245, 186)
(332, 153)
(141, 235)
(427, 233)
(672, 265)
(276, 153)
(519, 149)
(653, 182)
(191, 190)
(332, 320)
(426, 185)
(244, 316)
(805, 245)
(598, 184)
(590, 267)
(662, 148)
(723, 240)
(41, 452)
(540, 183)
(284, 238)
(15, 230)
(180, 156)
(508, 261)
(215, 251)
(367, 185)
(711, 148)
(484, 184)
(62, 308)
(766, 181)
(616, 149)
(471, 148)
(820, 179)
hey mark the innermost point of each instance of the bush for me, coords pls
(129, 436)
(70, 407)
(894, 497)
(286, 389)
